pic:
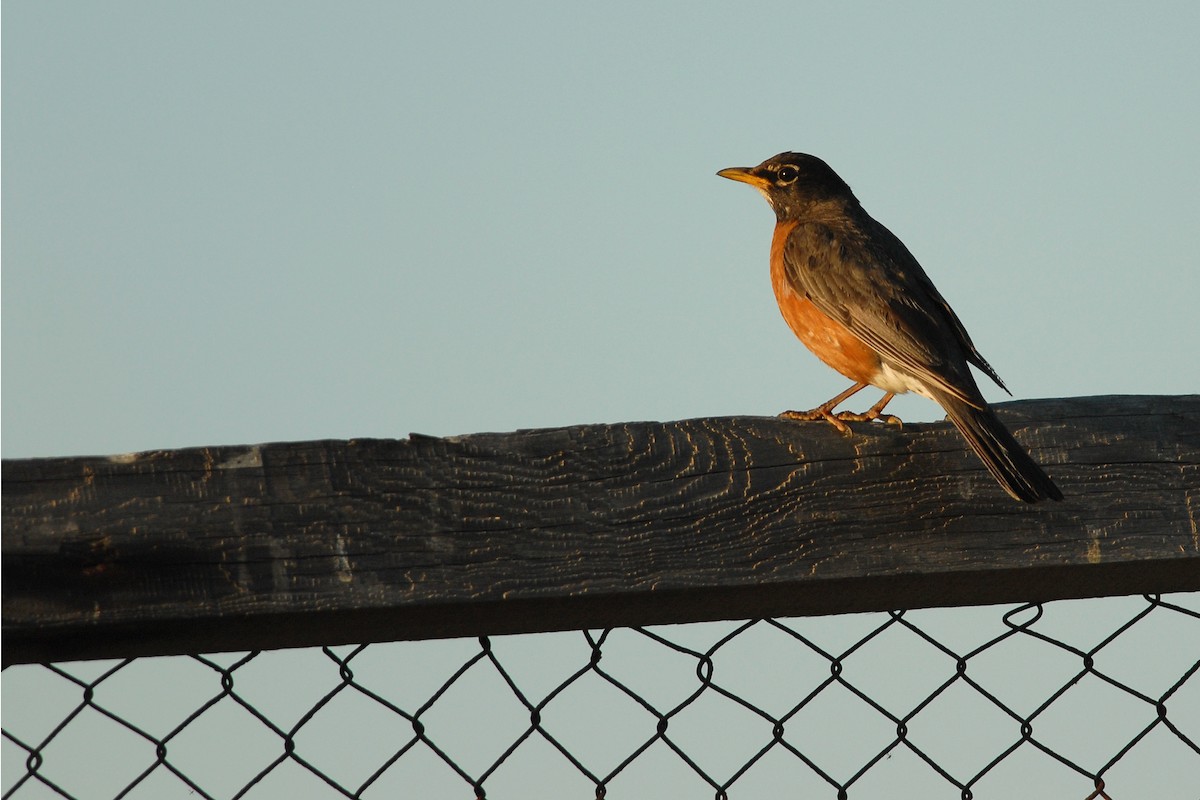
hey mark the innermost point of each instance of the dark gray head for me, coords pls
(795, 184)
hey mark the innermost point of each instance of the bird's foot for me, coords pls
(839, 420)
(889, 419)
(824, 412)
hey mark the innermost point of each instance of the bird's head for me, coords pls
(796, 185)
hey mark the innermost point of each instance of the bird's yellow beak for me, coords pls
(745, 175)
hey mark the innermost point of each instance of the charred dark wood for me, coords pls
(327, 542)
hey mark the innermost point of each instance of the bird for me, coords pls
(859, 300)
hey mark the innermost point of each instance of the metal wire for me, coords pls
(804, 739)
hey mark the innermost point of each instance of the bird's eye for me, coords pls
(786, 175)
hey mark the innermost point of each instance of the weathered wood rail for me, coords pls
(328, 542)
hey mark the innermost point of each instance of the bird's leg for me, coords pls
(825, 410)
(875, 412)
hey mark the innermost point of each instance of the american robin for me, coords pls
(854, 295)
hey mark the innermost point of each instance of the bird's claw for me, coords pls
(817, 414)
(889, 419)
(840, 419)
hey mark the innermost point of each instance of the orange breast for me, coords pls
(829, 340)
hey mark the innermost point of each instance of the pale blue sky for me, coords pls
(238, 222)
(232, 222)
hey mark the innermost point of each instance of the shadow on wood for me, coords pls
(330, 542)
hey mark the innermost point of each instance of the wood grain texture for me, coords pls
(328, 542)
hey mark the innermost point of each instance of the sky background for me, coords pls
(228, 223)
(237, 222)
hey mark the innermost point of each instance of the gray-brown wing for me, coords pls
(972, 353)
(866, 279)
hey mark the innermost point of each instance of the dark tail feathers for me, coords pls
(1008, 462)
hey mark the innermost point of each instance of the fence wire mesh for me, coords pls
(1072, 699)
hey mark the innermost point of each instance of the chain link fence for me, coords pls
(1071, 699)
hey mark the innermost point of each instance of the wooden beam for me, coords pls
(329, 542)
